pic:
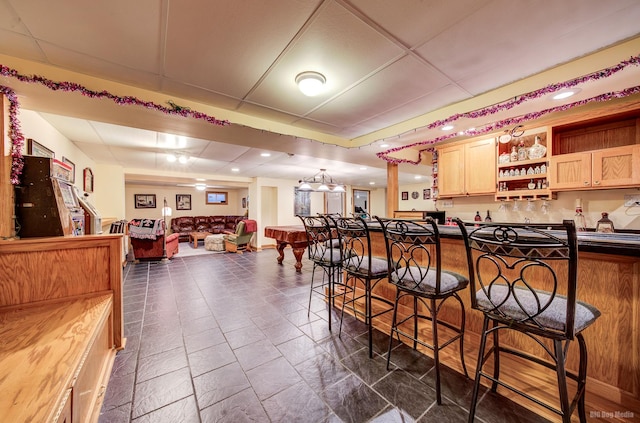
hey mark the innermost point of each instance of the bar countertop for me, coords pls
(625, 244)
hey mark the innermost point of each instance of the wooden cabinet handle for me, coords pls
(586, 183)
(596, 182)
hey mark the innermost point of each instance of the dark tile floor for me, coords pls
(226, 338)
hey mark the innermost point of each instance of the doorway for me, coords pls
(361, 203)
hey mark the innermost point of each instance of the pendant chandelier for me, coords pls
(321, 181)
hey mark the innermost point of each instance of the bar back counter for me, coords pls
(609, 279)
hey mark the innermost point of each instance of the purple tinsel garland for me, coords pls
(17, 140)
(605, 73)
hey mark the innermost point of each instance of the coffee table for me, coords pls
(195, 236)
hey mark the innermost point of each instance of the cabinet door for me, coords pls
(480, 167)
(451, 171)
(570, 171)
(616, 167)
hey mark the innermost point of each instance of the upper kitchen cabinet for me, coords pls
(602, 153)
(467, 168)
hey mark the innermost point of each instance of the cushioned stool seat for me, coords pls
(214, 242)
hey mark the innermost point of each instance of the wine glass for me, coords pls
(546, 207)
(502, 207)
(516, 205)
(530, 206)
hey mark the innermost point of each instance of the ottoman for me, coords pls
(214, 242)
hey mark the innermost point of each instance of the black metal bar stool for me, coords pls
(324, 251)
(414, 261)
(361, 267)
(523, 278)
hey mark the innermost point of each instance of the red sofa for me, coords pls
(213, 224)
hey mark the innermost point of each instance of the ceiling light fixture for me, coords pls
(310, 83)
(447, 127)
(566, 93)
(326, 183)
(183, 159)
(201, 187)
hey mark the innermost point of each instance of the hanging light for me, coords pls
(325, 183)
(310, 83)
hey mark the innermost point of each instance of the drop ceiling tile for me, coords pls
(333, 45)
(400, 83)
(19, 45)
(235, 44)
(417, 20)
(129, 37)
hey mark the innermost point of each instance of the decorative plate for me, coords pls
(415, 195)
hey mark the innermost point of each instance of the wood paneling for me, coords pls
(46, 269)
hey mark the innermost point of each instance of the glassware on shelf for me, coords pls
(502, 207)
(522, 151)
(516, 205)
(514, 154)
(537, 150)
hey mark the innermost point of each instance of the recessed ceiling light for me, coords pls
(417, 177)
(447, 127)
(566, 93)
(384, 145)
(372, 183)
(265, 154)
(183, 159)
(171, 158)
(363, 168)
(235, 169)
(200, 179)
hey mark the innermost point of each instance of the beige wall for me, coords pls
(198, 202)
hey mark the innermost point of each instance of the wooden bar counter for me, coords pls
(609, 279)
(60, 326)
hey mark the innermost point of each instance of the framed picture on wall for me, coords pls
(87, 175)
(34, 148)
(72, 178)
(405, 195)
(426, 194)
(145, 201)
(183, 201)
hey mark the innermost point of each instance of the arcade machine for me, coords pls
(46, 203)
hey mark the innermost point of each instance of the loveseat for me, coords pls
(213, 224)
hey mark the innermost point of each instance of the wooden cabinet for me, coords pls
(607, 168)
(467, 169)
(597, 153)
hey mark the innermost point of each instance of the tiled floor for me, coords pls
(226, 338)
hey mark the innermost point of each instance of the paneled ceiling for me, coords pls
(392, 68)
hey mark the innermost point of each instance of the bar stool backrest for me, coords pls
(355, 243)
(413, 253)
(323, 243)
(519, 271)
